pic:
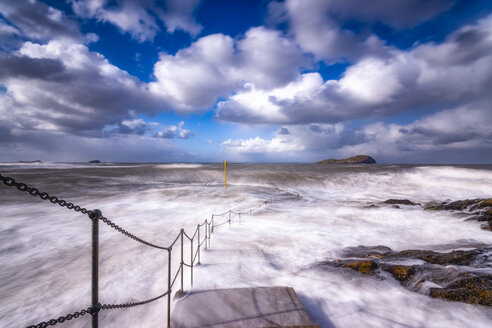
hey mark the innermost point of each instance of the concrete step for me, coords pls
(240, 307)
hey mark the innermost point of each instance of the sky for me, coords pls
(293, 81)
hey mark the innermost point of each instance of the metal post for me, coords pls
(182, 260)
(96, 215)
(229, 218)
(169, 289)
(212, 222)
(198, 244)
(206, 228)
(209, 225)
(191, 261)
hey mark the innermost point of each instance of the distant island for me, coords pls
(359, 159)
(36, 161)
(96, 161)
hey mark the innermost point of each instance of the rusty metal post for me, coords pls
(198, 244)
(181, 266)
(96, 215)
(169, 288)
(212, 221)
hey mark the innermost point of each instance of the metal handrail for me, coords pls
(96, 216)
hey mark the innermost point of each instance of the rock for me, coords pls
(401, 273)
(364, 267)
(359, 159)
(455, 271)
(470, 288)
(400, 202)
(476, 209)
(371, 206)
(96, 161)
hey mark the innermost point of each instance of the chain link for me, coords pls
(129, 305)
(130, 235)
(68, 317)
(43, 195)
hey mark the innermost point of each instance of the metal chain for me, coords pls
(43, 195)
(129, 305)
(68, 317)
(130, 235)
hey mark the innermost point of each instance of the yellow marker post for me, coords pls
(225, 174)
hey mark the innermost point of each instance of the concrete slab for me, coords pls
(240, 307)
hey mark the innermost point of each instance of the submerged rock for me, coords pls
(359, 159)
(400, 202)
(452, 276)
(476, 209)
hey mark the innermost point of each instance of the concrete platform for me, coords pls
(240, 307)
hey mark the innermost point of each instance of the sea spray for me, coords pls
(317, 211)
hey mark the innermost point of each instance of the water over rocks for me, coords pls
(479, 209)
(458, 275)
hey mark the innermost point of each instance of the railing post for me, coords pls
(212, 222)
(191, 261)
(205, 227)
(169, 288)
(229, 218)
(198, 244)
(182, 260)
(95, 216)
(209, 225)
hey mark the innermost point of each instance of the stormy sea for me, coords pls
(362, 245)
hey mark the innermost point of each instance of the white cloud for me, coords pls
(37, 20)
(138, 17)
(454, 72)
(174, 131)
(62, 86)
(317, 25)
(216, 65)
(278, 144)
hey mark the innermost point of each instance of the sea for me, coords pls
(303, 214)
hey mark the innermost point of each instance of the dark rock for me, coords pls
(364, 267)
(96, 161)
(359, 159)
(462, 285)
(371, 206)
(477, 209)
(36, 161)
(400, 202)
(470, 288)
(401, 273)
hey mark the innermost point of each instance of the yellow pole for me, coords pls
(225, 175)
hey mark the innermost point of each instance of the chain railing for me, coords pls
(96, 216)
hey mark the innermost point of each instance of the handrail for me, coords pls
(96, 216)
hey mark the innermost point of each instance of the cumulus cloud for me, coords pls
(216, 65)
(35, 20)
(61, 86)
(454, 72)
(174, 131)
(141, 18)
(318, 26)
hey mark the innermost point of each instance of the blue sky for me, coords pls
(249, 81)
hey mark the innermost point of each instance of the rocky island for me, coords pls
(359, 159)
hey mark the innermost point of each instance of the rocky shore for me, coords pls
(479, 209)
(455, 276)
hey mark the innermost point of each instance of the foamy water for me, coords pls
(316, 212)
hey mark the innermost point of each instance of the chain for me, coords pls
(43, 195)
(130, 235)
(129, 305)
(68, 317)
